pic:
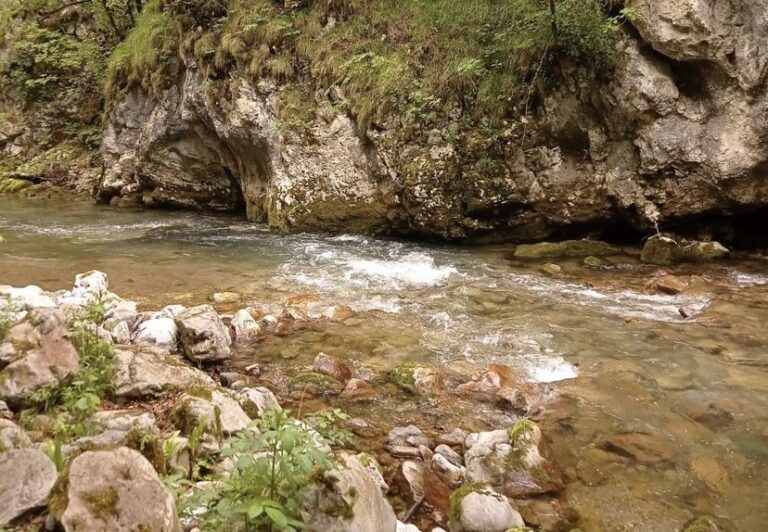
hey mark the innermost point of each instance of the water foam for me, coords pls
(414, 269)
(749, 279)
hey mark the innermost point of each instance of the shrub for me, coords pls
(273, 469)
(75, 401)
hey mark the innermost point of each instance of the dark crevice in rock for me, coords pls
(745, 229)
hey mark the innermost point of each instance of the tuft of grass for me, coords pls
(416, 59)
(148, 57)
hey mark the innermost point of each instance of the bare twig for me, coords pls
(530, 91)
(413, 508)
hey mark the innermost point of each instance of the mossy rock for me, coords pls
(59, 499)
(415, 378)
(565, 249)
(703, 523)
(595, 262)
(520, 429)
(454, 501)
(11, 185)
(403, 376)
(663, 251)
(315, 383)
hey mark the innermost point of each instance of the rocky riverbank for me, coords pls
(167, 406)
(645, 383)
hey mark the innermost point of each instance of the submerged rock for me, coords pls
(315, 384)
(595, 262)
(551, 269)
(204, 336)
(641, 447)
(663, 251)
(547, 515)
(27, 477)
(478, 508)
(703, 523)
(669, 284)
(333, 367)
(225, 297)
(357, 390)
(347, 499)
(114, 490)
(149, 371)
(565, 249)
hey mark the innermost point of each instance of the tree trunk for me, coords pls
(553, 16)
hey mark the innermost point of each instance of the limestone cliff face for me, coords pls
(679, 129)
(199, 147)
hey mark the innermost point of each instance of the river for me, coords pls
(616, 358)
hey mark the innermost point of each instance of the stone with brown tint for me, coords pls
(333, 367)
(499, 383)
(641, 447)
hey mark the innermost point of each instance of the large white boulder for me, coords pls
(149, 371)
(204, 336)
(26, 479)
(115, 490)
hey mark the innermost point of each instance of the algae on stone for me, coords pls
(565, 249)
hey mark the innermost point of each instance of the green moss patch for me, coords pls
(454, 502)
(315, 381)
(104, 503)
(565, 249)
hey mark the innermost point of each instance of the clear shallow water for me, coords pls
(619, 357)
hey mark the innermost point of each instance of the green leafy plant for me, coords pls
(75, 401)
(53, 450)
(327, 424)
(275, 461)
